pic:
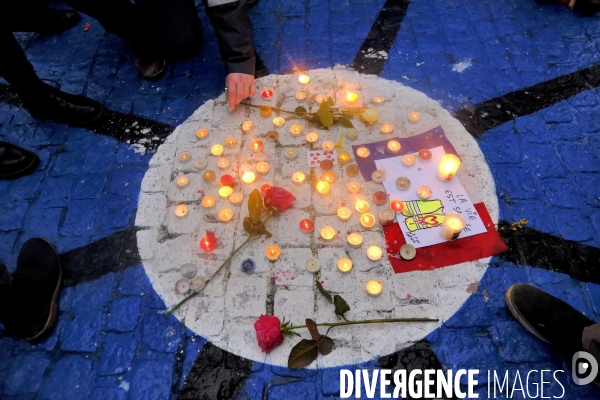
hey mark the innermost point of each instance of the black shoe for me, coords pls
(29, 306)
(46, 21)
(547, 317)
(150, 64)
(16, 162)
(51, 103)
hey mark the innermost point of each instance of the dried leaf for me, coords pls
(326, 117)
(247, 225)
(255, 207)
(325, 345)
(345, 122)
(324, 292)
(303, 354)
(340, 305)
(312, 328)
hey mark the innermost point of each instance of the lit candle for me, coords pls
(202, 134)
(327, 232)
(386, 216)
(230, 142)
(351, 98)
(226, 214)
(378, 176)
(378, 100)
(320, 98)
(225, 191)
(301, 96)
(306, 225)
(326, 165)
(363, 152)
(351, 134)
(374, 253)
(248, 126)
(208, 242)
(327, 146)
(448, 166)
(256, 146)
(352, 170)
(452, 226)
(344, 213)
(200, 163)
(296, 130)
(263, 168)
(379, 198)
(329, 177)
(387, 128)
(290, 154)
(185, 157)
(424, 192)
(181, 211)
(414, 117)
(298, 178)
(248, 177)
(272, 136)
(374, 288)
(278, 122)
(182, 181)
(304, 79)
(227, 180)
(425, 155)
(217, 150)
(273, 252)
(265, 111)
(393, 147)
(408, 160)
(267, 94)
(355, 240)
(367, 220)
(397, 205)
(402, 183)
(223, 163)
(353, 187)
(236, 198)
(209, 202)
(312, 137)
(323, 188)
(344, 158)
(362, 206)
(344, 265)
(312, 265)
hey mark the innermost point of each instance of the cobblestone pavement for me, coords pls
(521, 76)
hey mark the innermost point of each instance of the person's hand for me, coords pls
(239, 86)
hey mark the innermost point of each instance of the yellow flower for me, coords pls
(370, 115)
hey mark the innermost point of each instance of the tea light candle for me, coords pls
(355, 240)
(374, 253)
(290, 154)
(200, 163)
(352, 170)
(227, 180)
(367, 220)
(408, 160)
(320, 98)
(351, 134)
(344, 213)
(378, 100)
(278, 122)
(182, 181)
(265, 186)
(351, 98)
(273, 252)
(209, 202)
(386, 216)
(208, 243)
(414, 117)
(230, 142)
(217, 150)
(181, 211)
(256, 146)
(363, 152)
(374, 288)
(209, 176)
(393, 147)
(306, 225)
(425, 155)
(304, 79)
(312, 137)
(424, 192)
(408, 252)
(248, 265)
(326, 165)
(362, 206)
(202, 134)
(327, 232)
(402, 183)
(184, 157)
(344, 265)
(323, 188)
(272, 136)
(225, 191)
(312, 265)
(263, 168)
(378, 176)
(397, 205)
(296, 130)
(379, 198)
(344, 158)
(387, 128)
(236, 198)
(248, 126)
(353, 187)
(301, 96)
(248, 177)
(452, 226)
(226, 214)
(265, 111)
(329, 177)
(267, 94)
(223, 163)
(298, 178)
(327, 146)
(448, 166)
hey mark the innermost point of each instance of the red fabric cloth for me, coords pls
(447, 253)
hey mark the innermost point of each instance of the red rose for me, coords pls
(268, 333)
(279, 198)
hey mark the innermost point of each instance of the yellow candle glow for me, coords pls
(323, 188)
(226, 214)
(344, 158)
(353, 187)
(209, 176)
(344, 213)
(223, 163)
(362, 206)
(256, 146)
(329, 177)
(301, 96)
(236, 198)
(290, 154)
(351, 98)
(248, 177)
(374, 288)
(327, 146)
(378, 176)
(296, 130)
(225, 191)
(265, 111)
(344, 265)
(378, 100)
(387, 128)
(202, 134)
(424, 192)
(182, 181)
(181, 211)
(248, 126)
(263, 168)
(185, 157)
(209, 202)
(217, 150)
(312, 137)
(304, 79)
(355, 240)
(278, 122)
(298, 178)
(363, 152)
(448, 166)
(327, 232)
(393, 147)
(200, 163)
(414, 117)
(374, 253)
(408, 160)
(386, 216)
(320, 98)
(452, 226)
(230, 142)
(367, 220)
(273, 252)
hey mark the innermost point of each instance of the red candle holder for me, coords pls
(306, 225)
(379, 198)
(397, 205)
(425, 155)
(208, 242)
(227, 180)
(267, 94)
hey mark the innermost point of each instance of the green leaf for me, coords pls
(340, 305)
(325, 106)
(247, 225)
(326, 117)
(262, 231)
(330, 102)
(300, 109)
(255, 207)
(345, 122)
(347, 114)
(303, 354)
(315, 120)
(324, 292)
(325, 345)
(312, 328)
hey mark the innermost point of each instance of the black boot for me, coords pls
(16, 162)
(44, 20)
(148, 61)
(29, 305)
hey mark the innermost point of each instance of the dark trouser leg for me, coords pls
(5, 277)
(119, 17)
(14, 66)
(591, 340)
